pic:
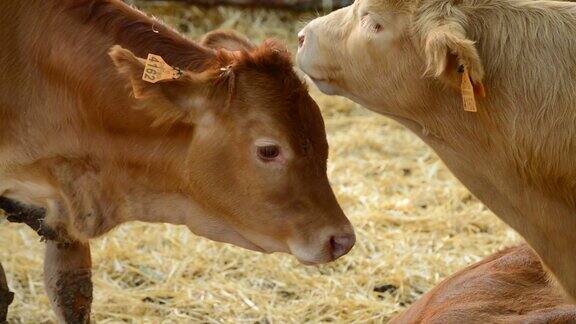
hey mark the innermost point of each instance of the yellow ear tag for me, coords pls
(468, 92)
(157, 70)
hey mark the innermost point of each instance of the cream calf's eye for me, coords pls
(370, 25)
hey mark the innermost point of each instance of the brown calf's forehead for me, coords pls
(267, 78)
(308, 133)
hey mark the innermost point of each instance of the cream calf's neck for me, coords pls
(483, 161)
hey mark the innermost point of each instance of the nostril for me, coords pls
(301, 38)
(341, 244)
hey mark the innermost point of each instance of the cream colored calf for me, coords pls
(410, 60)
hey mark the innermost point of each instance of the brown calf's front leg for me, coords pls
(67, 266)
(6, 296)
(68, 282)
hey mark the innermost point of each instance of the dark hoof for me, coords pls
(6, 297)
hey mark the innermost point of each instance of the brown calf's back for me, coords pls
(507, 287)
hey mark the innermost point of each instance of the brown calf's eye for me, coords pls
(268, 152)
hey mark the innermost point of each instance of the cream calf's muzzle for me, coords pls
(312, 60)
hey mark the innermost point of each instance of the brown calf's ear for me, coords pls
(448, 52)
(176, 96)
(132, 67)
(228, 40)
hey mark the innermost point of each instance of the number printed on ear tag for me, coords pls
(468, 92)
(157, 70)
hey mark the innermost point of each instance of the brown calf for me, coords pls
(232, 147)
(507, 287)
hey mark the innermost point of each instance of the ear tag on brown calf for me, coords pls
(468, 92)
(157, 70)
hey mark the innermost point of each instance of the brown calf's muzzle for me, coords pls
(321, 232)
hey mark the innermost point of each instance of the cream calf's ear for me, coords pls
(448, 52)
(172, 99)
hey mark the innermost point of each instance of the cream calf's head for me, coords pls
(383, 54)
(254, 172)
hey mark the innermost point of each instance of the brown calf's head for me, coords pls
(255, 165)
(376, 52)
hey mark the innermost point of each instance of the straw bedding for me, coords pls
(414, 222)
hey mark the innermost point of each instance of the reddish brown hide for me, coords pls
(508, 287)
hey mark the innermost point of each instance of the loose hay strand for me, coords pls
(415, 223)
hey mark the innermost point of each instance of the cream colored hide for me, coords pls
(516, 154)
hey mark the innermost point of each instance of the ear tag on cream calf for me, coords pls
(157, 70)
(468, 92)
